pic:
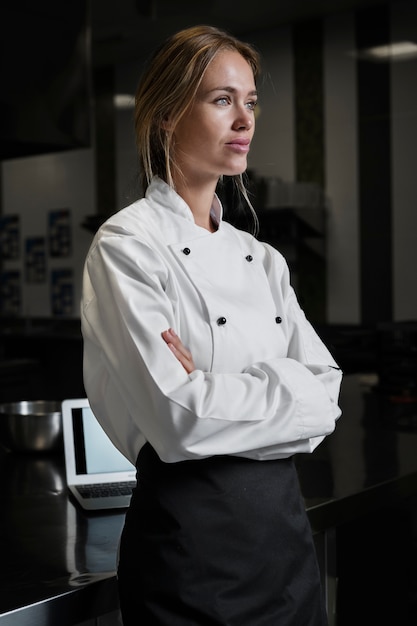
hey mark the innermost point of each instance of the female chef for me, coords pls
(201, 366)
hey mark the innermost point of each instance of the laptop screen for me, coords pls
(93, 450)
(90, 455)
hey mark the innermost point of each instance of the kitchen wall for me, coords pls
(39, 189)
(34, 186)
(346, 167)
(404, 166)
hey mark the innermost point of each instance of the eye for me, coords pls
(223, 101)
(251, 104)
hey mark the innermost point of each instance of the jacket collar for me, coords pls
(161, 194)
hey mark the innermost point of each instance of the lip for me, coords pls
(239, 144)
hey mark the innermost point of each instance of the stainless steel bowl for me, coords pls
(31, 426)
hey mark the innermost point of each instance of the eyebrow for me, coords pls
(232, 90)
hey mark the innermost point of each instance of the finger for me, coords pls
(178, 348)
(184, 358)
(169, 336)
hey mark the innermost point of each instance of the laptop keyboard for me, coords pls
(106, 490)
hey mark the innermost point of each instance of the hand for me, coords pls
(183, 355)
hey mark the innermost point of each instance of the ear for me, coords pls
(166, 124)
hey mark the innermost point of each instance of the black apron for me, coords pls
(221, 541)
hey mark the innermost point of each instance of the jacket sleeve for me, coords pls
(304, 344)
(139, 391)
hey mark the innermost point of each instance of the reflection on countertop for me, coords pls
(50, 548)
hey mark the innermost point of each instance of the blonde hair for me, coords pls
(166, 89)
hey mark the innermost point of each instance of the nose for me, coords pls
(244, 119)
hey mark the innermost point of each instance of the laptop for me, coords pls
(98, 475)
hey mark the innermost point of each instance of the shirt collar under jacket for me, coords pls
(160, 192)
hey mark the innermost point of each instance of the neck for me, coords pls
(200, 199)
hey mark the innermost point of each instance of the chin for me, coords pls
(236, 171)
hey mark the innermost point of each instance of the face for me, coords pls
(214, 136)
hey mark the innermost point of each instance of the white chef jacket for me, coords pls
(264, 387)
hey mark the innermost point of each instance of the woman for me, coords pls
(201, 366)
